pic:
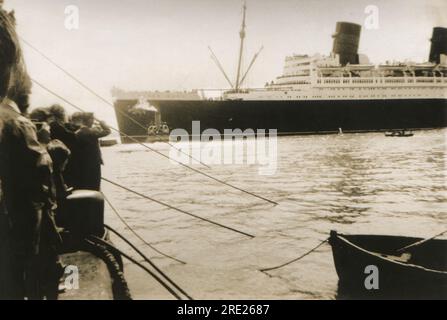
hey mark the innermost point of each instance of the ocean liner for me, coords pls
(315, 94)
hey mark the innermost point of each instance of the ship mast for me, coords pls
(241, 50)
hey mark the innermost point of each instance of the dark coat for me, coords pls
(61, 132)
(25, 199)
(90, 157)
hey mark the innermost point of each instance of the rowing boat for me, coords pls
(420, 272)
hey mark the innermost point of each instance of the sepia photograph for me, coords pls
(235, 153)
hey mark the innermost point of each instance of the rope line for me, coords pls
(102, 98)
(120, 288)
(418, 243)
(157, 278)
(136, 234)
(177, 209)
(296, 259)
(158, 152)
(148, 261)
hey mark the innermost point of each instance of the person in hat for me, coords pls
(89, 150)
(60, 130)
(39, 117)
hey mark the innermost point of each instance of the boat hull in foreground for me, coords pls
(417, 273)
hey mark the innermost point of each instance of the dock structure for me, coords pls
(92, 282)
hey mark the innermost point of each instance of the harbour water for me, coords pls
(352, 183)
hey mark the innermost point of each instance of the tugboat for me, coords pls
(158, 132)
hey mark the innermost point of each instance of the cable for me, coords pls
(418, 243)
(160, 281)
(177, 209)
(148, 260)
(120, 287)
(136, 234)
(296, 259)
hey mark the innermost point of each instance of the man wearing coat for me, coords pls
(88, 147)
(28, 234)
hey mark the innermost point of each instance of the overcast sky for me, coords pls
(161, 45)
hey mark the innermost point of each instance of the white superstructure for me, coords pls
(323, 78)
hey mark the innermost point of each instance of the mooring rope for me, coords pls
(158, 152)
(120, 287)
(148, 261)
(296, 259)
(420, 242)
(102, 98)
(177, 209)
(136, 234)
(157, 278)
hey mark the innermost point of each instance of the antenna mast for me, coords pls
(241, 50)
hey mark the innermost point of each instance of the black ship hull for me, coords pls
(288, 117)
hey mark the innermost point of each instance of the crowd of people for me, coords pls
(80, 134)
(44, 155)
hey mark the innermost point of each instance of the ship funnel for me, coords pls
(438, 44)
(346, 42)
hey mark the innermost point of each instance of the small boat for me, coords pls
(399, 133)
(419, 272)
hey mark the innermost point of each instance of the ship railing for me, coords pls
(219, 94)
(360, 81)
